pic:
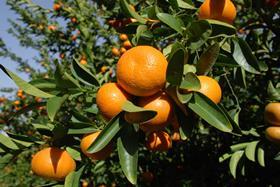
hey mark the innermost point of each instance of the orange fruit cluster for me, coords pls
(272, 118)
(126, 44)
(222, 10)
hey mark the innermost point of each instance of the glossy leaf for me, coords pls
(185, 5)
(140, 114)
(171, 21)
(260, 155)
(25, 86)
(127, 145)
(75, 154)
(73, 178)
(7, 142)
(83, 74)
(220, 28)
(250, 150)
(238, 147)
(53, 106)
(107, 134)
(208, 111)
(234, 160)
(208, 59)
(5, 160)
(199, 32)
(175, 67)
(273, 93)
(243, 56)
(190, 82)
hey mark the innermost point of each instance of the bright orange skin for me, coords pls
(272, 114)
(127, 44)
(110, 98)
(52, 27)
(273, 134)
(158, 141)
(222, 10)
(123, 37)
(87, 140)
(52, 163)
(115, 51)
(141, 71)
(210, 88)
(160, 103)
(103, 69)
(83, 61)
(175, 136)
(74, 20)
(56, 7)
(122, 50)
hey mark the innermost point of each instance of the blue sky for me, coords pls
(13, 44)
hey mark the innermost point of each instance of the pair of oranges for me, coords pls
(55, 164)
(272, 118)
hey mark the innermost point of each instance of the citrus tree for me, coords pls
(181, 97)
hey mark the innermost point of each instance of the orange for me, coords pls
(210, 88)
(51, 27)
(160, 103)
(87, 140)
(175, 136)
(123, 37)
(115, 51)
(122, 50)
(109, 99)
(56, 7)
(158, 141)
(141, 71)
(62, 55)
(16, 102)
(83, 61)
(74, 20)
(52, 163)
(103, 69)
(127, 44)
(147, 176)
(273, 134)
(272, 114)
(222, 10)
(74, 37)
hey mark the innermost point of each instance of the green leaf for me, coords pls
(171, 21)
(190, 82)
(220, 28)
(25, 141)
(130, 12)
(140, 114)
(175, 67)
(243, 56)
(81, 128)
(53, 106)
(187, 124)
(25, 86)
(234, 160)
(127, 145)
(63, 79)
(83, 74)
(7, 142)
(75, 154)
(210, 112)
(238, 147)
(5, 160)
(73, 178)
(260, 155)
(224, 157)
(107, 134)
(199, 32)
(272, 92)
(44, 84)
(250, 150)
(208, 59)
(185, 5)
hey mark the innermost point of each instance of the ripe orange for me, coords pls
(110, 98)
(141, 71)
(103, 69)
(127, 44)
(273, 134)
(175, 136)
(272, 114)
(87, 140)
(74, 20)
(122, 50)
(74, 37)
(51, 27)
(83, 61)
(210, 88)
(222, 10)
(158, 141)
(52, 163)
(56, 7)
(62, 55)
(115, 51)
(123, 37)
(160, 103)
(17, 102)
